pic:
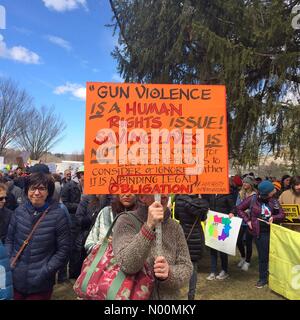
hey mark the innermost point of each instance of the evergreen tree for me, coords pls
(248, 45)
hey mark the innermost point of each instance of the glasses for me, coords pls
(40, 189)
(3, 198)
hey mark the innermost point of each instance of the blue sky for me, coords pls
(52, 48)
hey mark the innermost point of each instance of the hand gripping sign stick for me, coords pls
(158, 231)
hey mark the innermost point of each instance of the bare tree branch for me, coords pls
(42, 132)
(15, 109)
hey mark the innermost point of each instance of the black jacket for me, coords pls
(70, 196)
(222, 203)
(5, 215)
(190, 211)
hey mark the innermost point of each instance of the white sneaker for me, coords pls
(240, 264)
(245, 266)
(211, 277)
(222, 275)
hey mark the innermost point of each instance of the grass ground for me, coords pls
(239, 286)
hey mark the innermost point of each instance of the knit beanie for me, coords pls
(249, 180)
(237, 181)
(277, 185)
(265, 187)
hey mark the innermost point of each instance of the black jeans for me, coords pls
(262, 245)
(214, 260)
(240, 243)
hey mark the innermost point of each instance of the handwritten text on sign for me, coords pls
(145, 139)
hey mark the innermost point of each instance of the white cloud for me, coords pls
(74, 89)
(59, 42)
(117, 78)
(65, 5)
(18, 53)
(22, 30)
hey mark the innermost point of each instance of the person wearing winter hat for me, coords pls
(277, 186)
(235, 183)
(39, 167)
(247, 191)
(264, 210)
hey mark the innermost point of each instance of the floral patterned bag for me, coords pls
(101, 277)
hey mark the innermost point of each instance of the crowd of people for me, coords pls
(48, 226)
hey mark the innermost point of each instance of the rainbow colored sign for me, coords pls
(221, 232)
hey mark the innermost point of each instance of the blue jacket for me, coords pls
(6, 288)
(47, 251)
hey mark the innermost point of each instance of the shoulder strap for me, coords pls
(25, 243)
(192, 229)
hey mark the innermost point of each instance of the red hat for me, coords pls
(237, 181)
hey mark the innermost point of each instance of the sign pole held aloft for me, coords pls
(158, 231)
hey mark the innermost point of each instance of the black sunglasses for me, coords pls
(3, 198)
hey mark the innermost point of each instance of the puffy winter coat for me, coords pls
(47, 251)
(188, 209)
(6, 288)
(86, 215)
(70, 196)
(5, 216)
(223, 203)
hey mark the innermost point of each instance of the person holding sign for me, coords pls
(190, 210)
(222, 203)
(132, 249)
(291, 196)
(263, 211)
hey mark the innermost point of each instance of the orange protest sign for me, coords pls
(155, 139)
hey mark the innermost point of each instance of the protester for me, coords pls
(277, 186)
(247, 191)
(19, 179)
(264, 211)
(292, 195)
(120, 203)
(235, 184)
(6, 287)
(49, 246)
(5, 214)
(258, 180)
(58, 187)
(222, 203)
(85, 216)
(190, 210)
(132, 249)
(285, 182)
(17, 192)
(67, 177)
(71, 196)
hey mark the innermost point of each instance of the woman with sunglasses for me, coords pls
(48, 248)
(5, 214)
